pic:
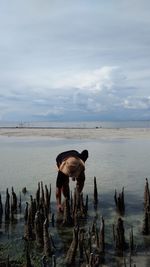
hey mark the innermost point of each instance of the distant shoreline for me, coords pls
(75, 132)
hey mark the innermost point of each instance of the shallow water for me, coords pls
(116, 163)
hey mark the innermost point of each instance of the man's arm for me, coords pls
(58, 198)
(80, 181)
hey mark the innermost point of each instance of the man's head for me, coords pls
(84, 155)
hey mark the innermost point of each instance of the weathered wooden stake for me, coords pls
(73, 248)
(46, 239)
(1, 209)
(131, 241)
(39, 220)
(119, 201)
(119, 237)
(146, 194)
(7, 206)
(67, 219)
(102, 235)
(13, 201)
(95, 192)
(146, 221)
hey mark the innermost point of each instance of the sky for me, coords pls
(66, 60)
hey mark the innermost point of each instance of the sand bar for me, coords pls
(78, 133)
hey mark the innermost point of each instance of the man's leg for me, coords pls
(62, 186)
(66, 190)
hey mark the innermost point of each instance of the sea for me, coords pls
(116, 163)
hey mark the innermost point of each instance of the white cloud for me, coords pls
(95, 80)
(137, 103)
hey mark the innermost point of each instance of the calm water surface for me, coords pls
(116, 164)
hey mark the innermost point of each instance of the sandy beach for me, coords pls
(77, 133)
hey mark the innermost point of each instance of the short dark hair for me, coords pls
(84, 155)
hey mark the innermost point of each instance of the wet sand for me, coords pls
(78, 133)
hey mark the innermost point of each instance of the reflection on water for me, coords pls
(117, 163)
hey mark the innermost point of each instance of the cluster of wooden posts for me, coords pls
(87, 246)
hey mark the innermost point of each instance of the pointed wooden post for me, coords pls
(146, 194)
(131, 240)
(46, 239)
(73, 248)
(67, 219)
(119, 237)
(119, 201)
(28, 259)
(146, 222)
(7, 206)
(13, 201)
(102, 235)
(1, 209)
(95, 192)
(39, 228)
